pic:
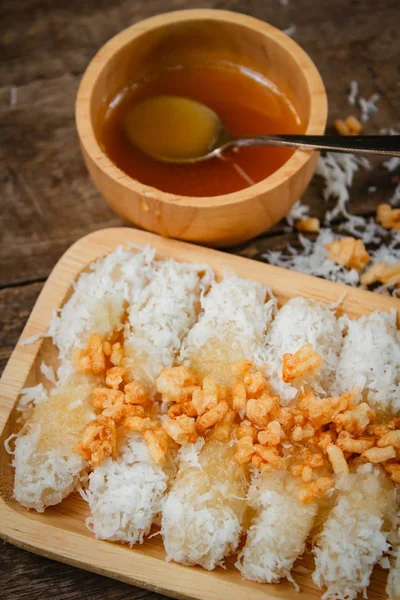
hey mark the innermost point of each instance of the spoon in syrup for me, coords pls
(175, 129)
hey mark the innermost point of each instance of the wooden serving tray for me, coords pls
(60, 533)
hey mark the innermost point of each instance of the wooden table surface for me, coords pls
(49, 202)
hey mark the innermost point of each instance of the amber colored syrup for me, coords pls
(247, 105)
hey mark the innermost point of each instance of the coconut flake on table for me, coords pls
(338, 171)
(392, 163)
(369, 231)
(368, 107)
(290, 30)
(396, 196)
(353, 92)
(313, 259)
(297, 212)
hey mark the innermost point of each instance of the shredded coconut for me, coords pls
(48, 372)
(30, 397)
(46, 469)
(32, 339)
(301, 322)
(370, 359)
(338, 172)
(353, 93)
(189, 454)
(368, 107)
(202, 514)
(7, 443)
(297, 212)
(354, 536)
(125, 494)
(234, 309)
(43, 478)
(161, 316)
(396, 196)
(393, 584)
(368, 231)
(313, 259)
(290, 30)
(277, 535)
(98, 301)
(392, 163)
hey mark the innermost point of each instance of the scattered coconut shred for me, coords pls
(337, 171)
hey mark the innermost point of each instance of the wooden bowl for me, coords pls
(197, 37)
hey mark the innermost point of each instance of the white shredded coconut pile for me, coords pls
(125, 494)
(238, 310)
(161, 316)
(338, 171)
(370, 359)
(29, 398)
(278, 532)
(98, 301)
(301, 322)
(369, 231)
(355, 534)
(189, 454)
(202, 513)
(46, 468)
(297, 212)
(48, 372)
(43, 478)
(313, 259)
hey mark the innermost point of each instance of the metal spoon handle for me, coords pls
(359, 144)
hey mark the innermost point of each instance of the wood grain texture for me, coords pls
(48, 200)
(60, 532)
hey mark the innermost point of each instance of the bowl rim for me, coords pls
(316, 124)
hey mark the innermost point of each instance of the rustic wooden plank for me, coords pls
(33, 577)
(16, 304)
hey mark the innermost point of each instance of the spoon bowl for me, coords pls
(180, 130)
(188, 38)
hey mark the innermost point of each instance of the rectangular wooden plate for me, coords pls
(60, 533)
